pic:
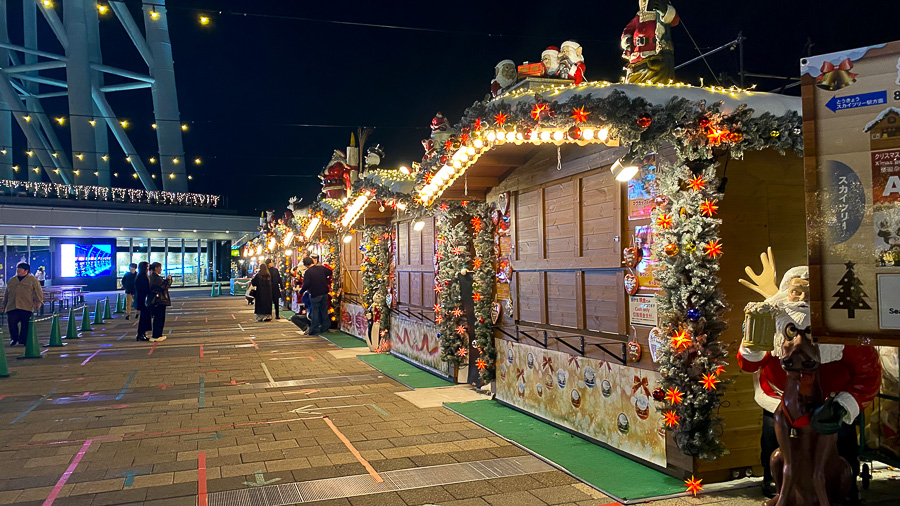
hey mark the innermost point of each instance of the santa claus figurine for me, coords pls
(571, 62)
(334, 182)
(440, 130)
(505, 74)
(647, 43)
(849, 375)
(374, 156)
(550, 59)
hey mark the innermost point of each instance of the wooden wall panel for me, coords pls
(561, 308)
(529, 304)
(427, 245)
(528, 212)
(403, 244)
(559, 220)
(601, 294)
(599, 218)
(351, 259)
(403, 283)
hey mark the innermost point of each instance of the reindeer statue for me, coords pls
(806, 466)
(811, 393)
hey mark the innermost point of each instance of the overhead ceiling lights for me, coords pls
(354, 210)
(312, 226)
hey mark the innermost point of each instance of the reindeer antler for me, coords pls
(763, 283)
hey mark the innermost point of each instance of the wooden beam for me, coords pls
(576, 189)
(460, 195)
(542, 296)
(580, 316)
(542, 241)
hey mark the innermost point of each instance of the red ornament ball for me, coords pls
(444, 159)
(736, 137)
(574, 133)
(644, 120)
(659, 395)
(703, 122)
(671, 249)
(481, 320)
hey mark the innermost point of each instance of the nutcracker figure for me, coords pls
(647, 43)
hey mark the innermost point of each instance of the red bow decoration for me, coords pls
(602, 363)
(838, 77)
(520, 374)
(844, 65)
(574, 360)
(547, 364)
(640, 383)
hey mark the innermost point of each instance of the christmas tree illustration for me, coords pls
(850, 296)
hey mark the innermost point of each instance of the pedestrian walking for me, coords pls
(263, 292)
(23, 295)
(316, 284)
(141, 290)
(276, 286)
(128, 285)
(158, 300)
(40, 275)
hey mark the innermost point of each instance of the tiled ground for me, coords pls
(107, 420)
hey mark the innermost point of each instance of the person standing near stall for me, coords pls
(276, 286)
(141, 289)
(128, 285)
(23, 294)
(263, 294)
(159, 301)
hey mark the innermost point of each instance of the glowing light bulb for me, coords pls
(470, 150)
(197, 161)
(152, 159)
(47, 3)
(545, 135)
(172, 176)
(490, 137)
(92, 122)
(587, 134)
(457, 164)
(153, 126)
(29, 153)
(124, 123)
(104, 157)
(558, 135)
(603, 134)
(175, 160)
(204, 20)
(80, 156)
(184, 127)
(478, 143)
(128, 159)
(404, 169)
(102, 9)
(154, 15)
(520, 136)
(61, 120)
(134, 175)
(510, 136)
(26, 118)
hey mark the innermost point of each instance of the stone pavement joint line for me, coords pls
(357, 485)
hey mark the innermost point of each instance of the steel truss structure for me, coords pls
(75, 25)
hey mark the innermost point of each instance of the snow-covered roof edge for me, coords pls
(883, 114)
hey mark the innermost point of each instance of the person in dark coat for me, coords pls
(316, 282)
(160, 287)
(128, 286)
(276, 285)
(263, 302)
(141, 289)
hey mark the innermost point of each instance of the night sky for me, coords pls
(249, 80)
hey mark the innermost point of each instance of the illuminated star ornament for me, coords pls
(476, 223)
(693, 485)
(460, 330)
(437, 308)
(457, 312)
(441, 240)
(439, 256)
(448, 144)
(500, 118)
(664, 221)
(713, 248)
(438, 288)
(476, 263)
(462, 352)
(481, 364)
(438, 319)
(671, 418)
(537, 110)
(674, 396)
(464, 138)
(579, 114)
(709, 208)
(457, 250)
(719, 370)
(476, 297)
(697, 183)
(709, 381)
(444, 206)
(681, 340)
(477, 124)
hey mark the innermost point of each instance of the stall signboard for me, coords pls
(643, 310)
(851, 118)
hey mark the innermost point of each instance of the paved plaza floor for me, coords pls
(228, 411)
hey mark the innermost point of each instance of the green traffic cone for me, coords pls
(220, 288)
(4, 367)
(212, 291)
(55, 338)
(98, 314)
(86, 320)
(71, 331)
(120, 303)
(106, 312)
(32, 348)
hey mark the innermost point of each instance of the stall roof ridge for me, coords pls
(731, 98)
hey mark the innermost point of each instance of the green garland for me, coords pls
(454, 242)
(376, 270)
(484, 268)
(691, 306)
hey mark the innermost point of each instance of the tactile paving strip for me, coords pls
(404, 479)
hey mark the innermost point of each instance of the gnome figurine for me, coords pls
(440, 131)
(505, 74)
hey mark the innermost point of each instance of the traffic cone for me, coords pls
(212, 290)
(219, 289)
(4, 367)
(55, 338)
(120, 303)
(86, 320)
(32, 348)
(106, 312)
(98, 314)
(71, 331)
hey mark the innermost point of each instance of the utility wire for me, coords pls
(700, 52)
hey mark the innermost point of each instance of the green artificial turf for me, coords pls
(344, 340)
(610, 472)
(403, 372)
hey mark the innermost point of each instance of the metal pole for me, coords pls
(78, 78)
(101, 135)
(6, 142)
(741, 57)
(165, 99)
(124, 142)
(133, 31)
(704, 55)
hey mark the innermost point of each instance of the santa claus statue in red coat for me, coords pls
(505, 75)
(647, 43)
(849, 375)
(335, 177)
